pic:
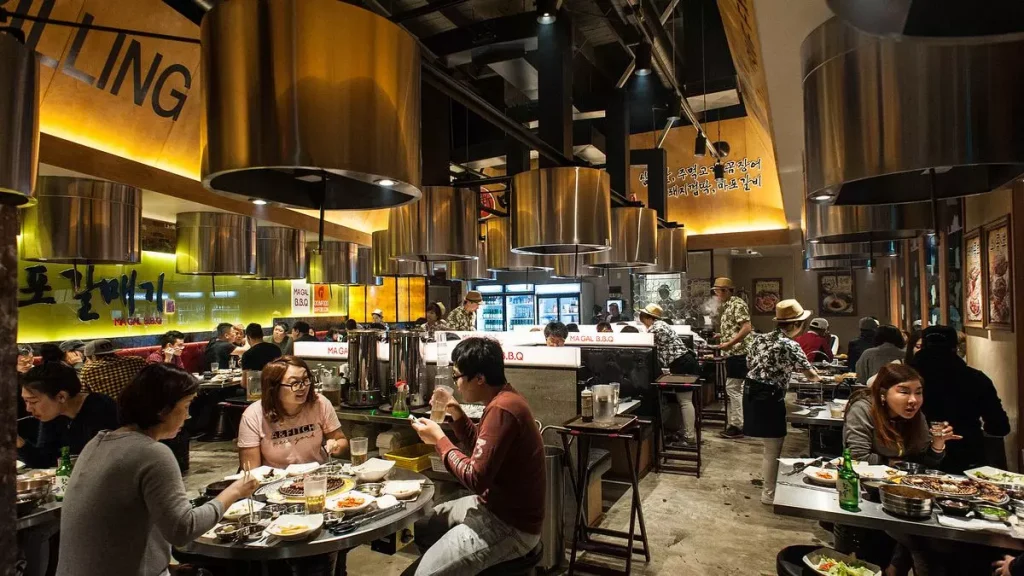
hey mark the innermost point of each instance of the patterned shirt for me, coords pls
(668, 344)
(110, 373)
(461, 320)
(773, 356)
(734, 315)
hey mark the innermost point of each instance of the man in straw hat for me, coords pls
(771, 358)
(463, 318)
(674, 355)
(735, 330)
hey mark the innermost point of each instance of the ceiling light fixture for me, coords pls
(384, 182)
(642, 59)
(258, 201)
(813, 241)
(675, 109)
(821, 197)
(700, 145)
(547, 11)
(719, 171)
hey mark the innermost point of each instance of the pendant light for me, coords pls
(79, 220)
(562, 210)
(280, 253)
(441, 227)
(19, 121)
(303, 95)
(831, 224)
(212, 243)
(634, 239)
(501, 258)
(384, 265)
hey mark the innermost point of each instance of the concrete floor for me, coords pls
(712, 526)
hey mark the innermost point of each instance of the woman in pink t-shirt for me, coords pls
(291, 422)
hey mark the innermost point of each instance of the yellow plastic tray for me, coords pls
(415, 457)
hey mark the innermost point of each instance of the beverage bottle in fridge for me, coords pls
(848, 484)
(63, 474)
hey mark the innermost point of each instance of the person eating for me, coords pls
(555, 334)
(69, 416)
(604, 327)
(126, 503)
(435, 318)
(172, 344)
(504, 468)
(220, 350)
(281, 338)
(291, 424)
(259, 352)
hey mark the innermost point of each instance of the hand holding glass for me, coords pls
(439, 403)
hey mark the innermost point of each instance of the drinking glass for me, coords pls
(439, 403)
(615, 395)
(604, 407)
(314, 488)
(233, 362)
(936, 427)
(358, 447)
(214, 367)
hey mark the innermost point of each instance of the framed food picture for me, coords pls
(766, 294)
(999, 273)
(974, 280)
(836, 294)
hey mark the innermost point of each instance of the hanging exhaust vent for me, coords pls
(78, 220)
(19, 122)
(332, 262)
(216, 243)
(564, 210)
(634, 240)
(280, 253)
(851, 250)
(501, 258)
(472, 269)
(574, 266)
(384, 264)
(441, 227)
(671, 251)
(840, 265)
(890, 120)
(866, 223)
(309, 103)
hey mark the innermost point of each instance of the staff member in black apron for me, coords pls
(771, 358)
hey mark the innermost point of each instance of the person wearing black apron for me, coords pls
(771, 358)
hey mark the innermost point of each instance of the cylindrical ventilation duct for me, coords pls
(19, 121)
(501, 258)
(216, 243)
(671, 250)
(472, 269)
(384, 265)
(78, 220)
(890, 120)
(634, 239)
(839, 265)
(866, 223)
(570, 266)
(441, 227)
(365, 276)
(280, 253)
(565, 210)
(850, 250)
(296, 90)
(332, 262)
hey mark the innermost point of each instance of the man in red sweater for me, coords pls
(503, 465)
(816, 342)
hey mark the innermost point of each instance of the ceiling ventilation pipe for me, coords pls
(384, 263)
(501, 258)
(19, 121)
(212, 243)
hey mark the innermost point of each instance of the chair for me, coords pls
(522, 566)
(225, 423)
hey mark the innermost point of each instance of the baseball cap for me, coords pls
(474, 296)
(99, 347)
(819, 323)
(72, 346)
(868, 323)
(378, 312)
(25, 350)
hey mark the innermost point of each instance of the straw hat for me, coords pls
(791, 311)
(724, 283)
(652, 310)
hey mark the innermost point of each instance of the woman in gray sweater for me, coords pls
(125, 504)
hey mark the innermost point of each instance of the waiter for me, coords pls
(463, 318)
(734, 328)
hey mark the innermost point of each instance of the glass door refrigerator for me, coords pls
(491, 315)
(520, 308)
(559, 302)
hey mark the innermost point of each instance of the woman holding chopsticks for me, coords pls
(125, 505)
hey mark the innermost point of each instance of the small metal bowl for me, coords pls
(953, 506)
(374, 489)
(227, 532)
(259, 518)
(250, 533)
(991, 513)
(333, 518)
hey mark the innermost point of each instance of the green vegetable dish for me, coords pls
(837, 568)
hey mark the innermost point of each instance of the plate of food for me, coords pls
(295, 526)
(349, 502)
(296, 488)
(990, 493)
(821, 476)
(403, 489)
(241, 508)
(941, 485)
(996, 476)
(828, 562)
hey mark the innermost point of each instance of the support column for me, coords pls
(657, 177)
(8, 383)
(435, 136)
(617, 140)
(554, 70)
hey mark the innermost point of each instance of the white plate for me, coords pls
(813, 559)
(811, 474)
(373, 470)
(333, 501)
(309, 524)
(261, 474)
(241, 508)
(1017, 482)
(403, 489)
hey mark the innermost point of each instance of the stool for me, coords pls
(662, 455)
(790, 560)
(225, 423)
(522, 566)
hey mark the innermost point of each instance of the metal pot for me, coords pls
(407, 364)
(364, 386)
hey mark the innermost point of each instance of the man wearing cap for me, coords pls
(106, 372)
(677, 357)
(857, 346)
(668, 305)
(74, 354)
(463, 318)
(816, 342)
(378, 316)
(734, 330)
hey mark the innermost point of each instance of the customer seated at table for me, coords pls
(914, 344)
(106, 372)
(863, 341)
(604, 327)
(69, 416)
(126, 503)
(816, 342)
(960, 395)
(888, 349)
(435, 318)
(629, 329)
(503, 467)
(335, 334)
(572, 327)
(280, 338)
(555, 334)
(674, 355)
(220, 350)
(74, 354)
(291, 422)
(259, 352)
(301, 332)
(172, 344)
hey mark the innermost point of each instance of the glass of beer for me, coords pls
(439, 403)
(314, 488)
(358, 447)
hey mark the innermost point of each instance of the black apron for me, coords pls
(764, 410)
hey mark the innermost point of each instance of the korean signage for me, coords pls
(698, 180)
(126, 289)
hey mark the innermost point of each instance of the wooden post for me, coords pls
(8, 384)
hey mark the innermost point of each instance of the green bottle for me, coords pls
(63, 474)
(848, 485)
(400, 409)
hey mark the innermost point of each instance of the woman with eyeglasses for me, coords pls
(291, 424)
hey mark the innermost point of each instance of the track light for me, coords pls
(675, 109)
(723, 149)
(643, 59)
(719, 171)
(547, 11)
(700, 145)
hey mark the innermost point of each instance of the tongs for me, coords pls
(350, 525)
(801, 466)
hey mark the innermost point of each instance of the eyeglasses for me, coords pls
(457, 377)
(298, 385)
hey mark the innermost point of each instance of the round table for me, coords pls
(326, 542)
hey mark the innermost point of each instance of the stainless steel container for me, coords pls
(552, 530)
(364, 386)
(407, 363)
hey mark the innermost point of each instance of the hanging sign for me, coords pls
(321, 299)
(300, 299)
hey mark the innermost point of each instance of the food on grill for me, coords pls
(942, 485)
(990, 492)
(296, 487)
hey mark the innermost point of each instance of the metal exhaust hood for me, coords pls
(832, 224)
(19, 122)
(472, 269)
(840, 265)
(441, 227)
(309, 103)
(332, 262)
(210, 243)
(384, 264)
(79, 221)
(574, 266)
(501, 258)
(634, 240)
(671, 252)
(280, 253)
(851, 250)
(564, 210)
(889, 120)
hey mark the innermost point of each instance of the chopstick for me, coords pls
(245, 476)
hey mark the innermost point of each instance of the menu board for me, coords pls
(999, 268)
(836, 295)
(767, 293)
(974, 281)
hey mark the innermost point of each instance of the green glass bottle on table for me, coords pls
(400, 409)
(63, 474)
(848, 484)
